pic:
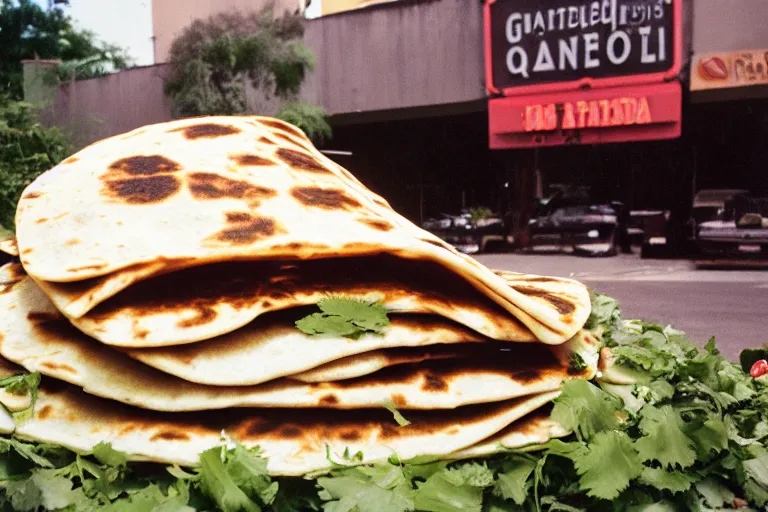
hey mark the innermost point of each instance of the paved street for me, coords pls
(729, 304)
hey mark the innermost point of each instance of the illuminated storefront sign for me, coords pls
(587, 114)
(619, 114)
(729, 69)
(587, 57)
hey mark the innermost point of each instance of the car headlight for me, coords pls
(593, 233)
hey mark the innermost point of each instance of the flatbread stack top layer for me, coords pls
(161, 273)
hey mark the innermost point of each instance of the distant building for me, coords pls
(599, 94)
(171, 17)
(125, 23)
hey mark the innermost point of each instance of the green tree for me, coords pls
(27, 148)
(28, 31)
(213, 61)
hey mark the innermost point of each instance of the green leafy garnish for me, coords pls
(607, 465)
(576, 363)
(350, 318)
(399, 418)
(675, 427)
(585, 409)
(108, 456)
(21, 384)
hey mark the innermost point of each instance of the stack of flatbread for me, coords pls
(160, 275)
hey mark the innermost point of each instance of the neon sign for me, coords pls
(573, 115)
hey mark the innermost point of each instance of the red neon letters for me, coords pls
(586, 114)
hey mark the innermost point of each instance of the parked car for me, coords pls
(709, 205)
(586, 229)
(738, 234)
(470, 234)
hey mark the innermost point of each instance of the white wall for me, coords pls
(729, 25)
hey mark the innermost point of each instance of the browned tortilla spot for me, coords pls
(251, 160)
(433, 383)
(256, 229)
(203, 315)
(350, 435)
(280, 125)
(238, 216)
(563, 306)
(207, 131)
(328, 400)
(56, 366)
(144, 165)
(325, 198)
(45, 412)
(170, 436)
(300, 161)
(206, 185)
(380, 225)
(153, 189)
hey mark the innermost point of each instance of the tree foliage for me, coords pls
(28, 31)
(215, 60)
(27, 148)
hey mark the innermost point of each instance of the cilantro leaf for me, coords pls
(26, 450)
(317, 323)
(603, 480)
(603, 310)
(249, 472)
(152, 498)
(459, 489)
(21, 384)
(399, 418)
(585, 409)
(43, 489)
(350, 318)
(369, 316)
(756, 470)
(219, 486)
(710, 437)
(557, 506)
(108, 456)
(576, 363)
(664, 439)
(674, 481)
(511, 484)
(377, 489)
(714, 492)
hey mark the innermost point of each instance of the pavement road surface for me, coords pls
(731, 305)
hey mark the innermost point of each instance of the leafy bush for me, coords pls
(28, 31)
(27, 148)
(215, 60)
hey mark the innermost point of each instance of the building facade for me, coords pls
(170, 17)
(410, 96)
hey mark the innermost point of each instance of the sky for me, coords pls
(127, 23)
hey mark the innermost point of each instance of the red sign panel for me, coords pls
(618, 114)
